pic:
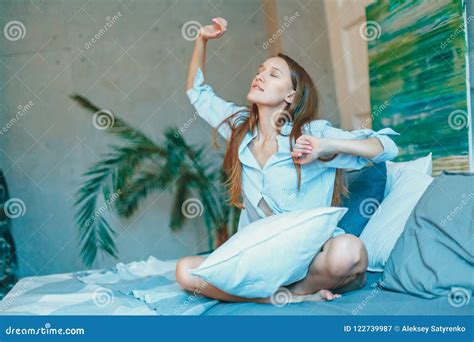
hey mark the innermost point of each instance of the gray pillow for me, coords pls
(434, 256)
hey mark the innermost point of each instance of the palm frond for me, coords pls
(119, 127)
(98, 236)
(182, 193)
(109, 175)
(92, 227)
(135, 168)
(235, 215)
(138, 189)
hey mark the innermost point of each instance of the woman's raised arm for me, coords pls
(198, 59)
(208, 105)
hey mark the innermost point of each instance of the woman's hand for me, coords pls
(214, 31)
(308, 148)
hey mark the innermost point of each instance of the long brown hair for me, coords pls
(303, 109)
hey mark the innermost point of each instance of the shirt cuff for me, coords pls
(390, 149)
(198, 87)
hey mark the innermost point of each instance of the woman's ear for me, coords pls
(289, 98)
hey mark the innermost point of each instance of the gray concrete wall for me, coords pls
(137, 69)
(306, 40)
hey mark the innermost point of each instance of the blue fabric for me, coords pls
(372, 299)
(366, 190)
(276, 182)
(118, 294)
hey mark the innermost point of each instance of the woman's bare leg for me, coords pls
(199, 286)
(340, 266)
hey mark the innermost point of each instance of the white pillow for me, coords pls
(387, 223)
(423, 164)
(271, 252)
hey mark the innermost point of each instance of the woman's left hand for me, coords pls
(309, 148)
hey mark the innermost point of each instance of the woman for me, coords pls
(280, 157)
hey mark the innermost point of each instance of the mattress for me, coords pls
(148, 287)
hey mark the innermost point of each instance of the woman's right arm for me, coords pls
(208, 105)
(198, 59)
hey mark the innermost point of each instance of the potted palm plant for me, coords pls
(9, 208)
(136, 167)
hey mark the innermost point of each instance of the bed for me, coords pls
(148, 287)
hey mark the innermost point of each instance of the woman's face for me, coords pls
(272, 84)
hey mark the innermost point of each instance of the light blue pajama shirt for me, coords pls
(277, 181)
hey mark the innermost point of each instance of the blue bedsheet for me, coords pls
(370, 300)
(148, 287)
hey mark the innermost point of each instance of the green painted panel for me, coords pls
(418, 78)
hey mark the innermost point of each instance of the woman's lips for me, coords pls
(257, 87)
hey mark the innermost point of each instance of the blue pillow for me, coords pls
(366, 191)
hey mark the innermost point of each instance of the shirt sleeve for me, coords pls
(324, 129)
(209, 106)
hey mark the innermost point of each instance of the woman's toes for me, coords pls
(328, 295)
(320, 296)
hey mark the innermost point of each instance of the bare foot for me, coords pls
(284, 296)
(320, 296)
